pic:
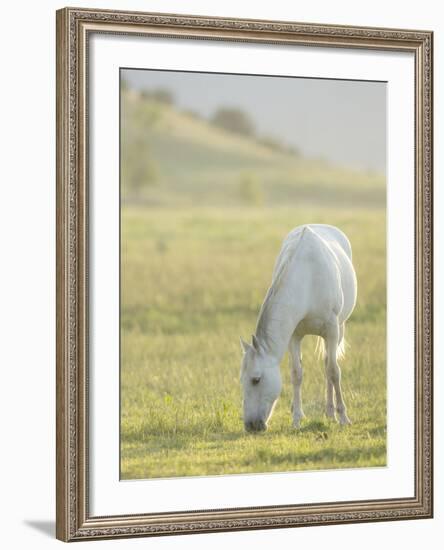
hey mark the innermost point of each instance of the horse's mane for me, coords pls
(285, 259)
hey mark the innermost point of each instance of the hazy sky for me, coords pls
(342, 121)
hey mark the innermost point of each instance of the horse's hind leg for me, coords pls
(332, 339)
(296, 377)
(330, 405)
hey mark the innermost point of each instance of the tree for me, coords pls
(250, 189)
(234, 120)
(139, 170)
(162, 95)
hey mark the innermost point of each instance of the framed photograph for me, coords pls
(244, 274)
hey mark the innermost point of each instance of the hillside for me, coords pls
(174, 158)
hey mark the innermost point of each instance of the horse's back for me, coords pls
(329, 250)
(329, 233)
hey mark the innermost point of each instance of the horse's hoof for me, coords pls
(297, 422)
(330, 413)
(345, 420)
(299, 413)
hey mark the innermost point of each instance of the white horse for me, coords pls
(313, 291)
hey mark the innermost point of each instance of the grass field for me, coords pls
(193, 280)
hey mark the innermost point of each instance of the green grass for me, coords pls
(193, 280)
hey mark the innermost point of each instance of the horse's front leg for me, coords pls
(296, 377)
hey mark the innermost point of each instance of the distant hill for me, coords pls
(174, 158)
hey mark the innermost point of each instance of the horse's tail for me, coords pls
(340, 352)
(320, 347)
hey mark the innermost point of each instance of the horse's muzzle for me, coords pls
(255, 426)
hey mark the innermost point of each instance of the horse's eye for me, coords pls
(255, 380)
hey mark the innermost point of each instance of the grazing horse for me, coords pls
(313, 291)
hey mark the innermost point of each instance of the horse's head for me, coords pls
(261, 384)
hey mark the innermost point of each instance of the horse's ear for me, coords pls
(244, 345)
(255, 342)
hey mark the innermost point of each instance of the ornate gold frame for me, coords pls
(73, 519)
